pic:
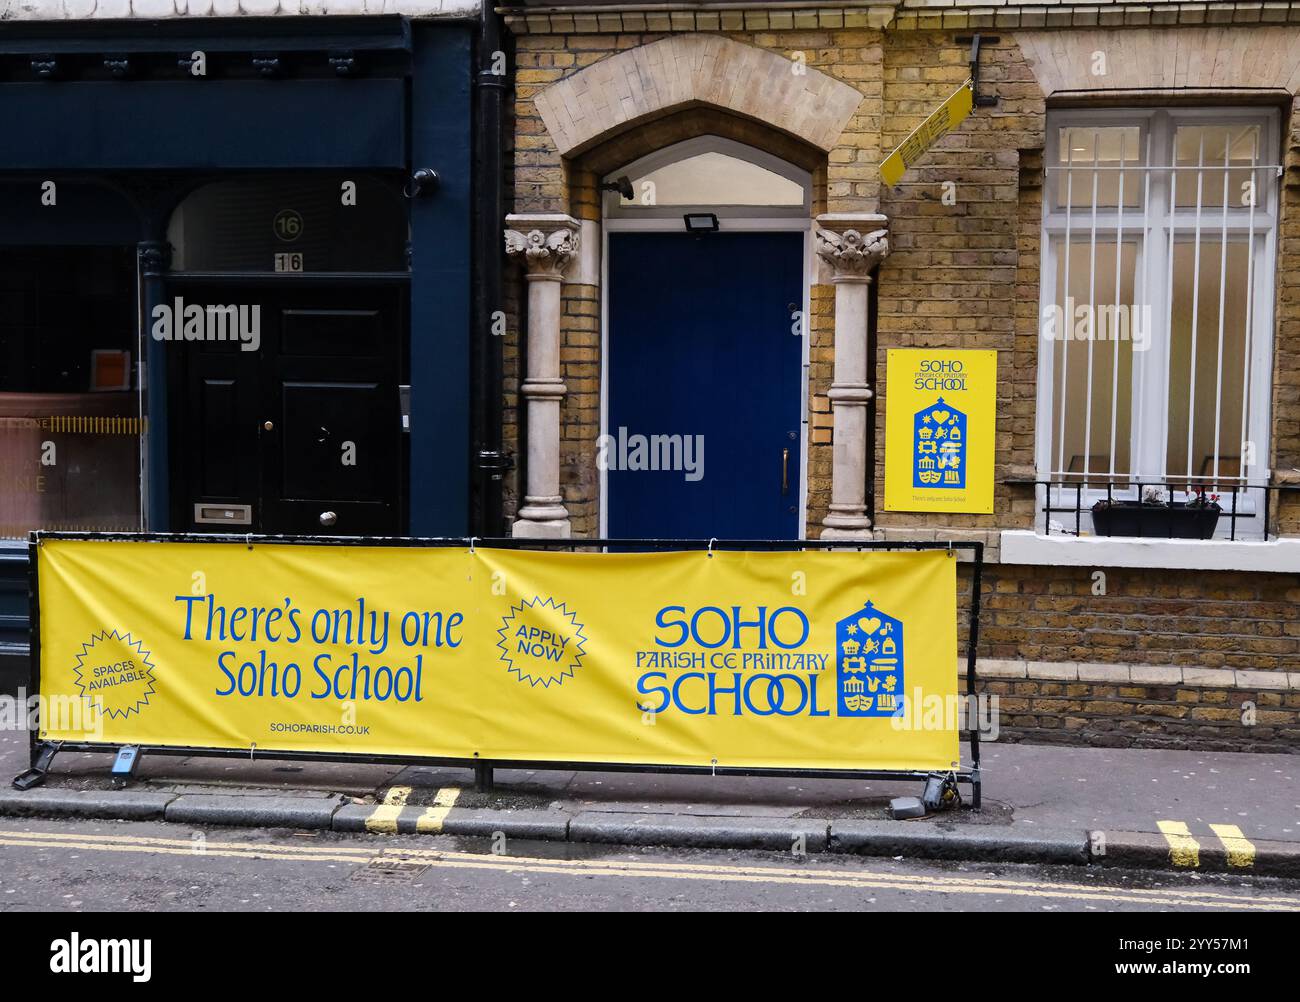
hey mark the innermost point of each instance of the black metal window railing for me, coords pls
(1068, 505)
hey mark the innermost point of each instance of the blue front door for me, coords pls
(705, 367)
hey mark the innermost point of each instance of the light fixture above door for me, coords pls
(701, 222)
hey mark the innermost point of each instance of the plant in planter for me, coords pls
(1154, 517)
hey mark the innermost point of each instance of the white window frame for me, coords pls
(1150, 224)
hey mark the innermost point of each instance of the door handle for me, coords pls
(328, 518)
(785, 471)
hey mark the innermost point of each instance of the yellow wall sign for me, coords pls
(939, 430)
(791, 660)
(941, 121)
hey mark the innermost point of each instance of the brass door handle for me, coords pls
(785, 471)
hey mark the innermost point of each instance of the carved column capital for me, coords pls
(852, 243)
(546, 243)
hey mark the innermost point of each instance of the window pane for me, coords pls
(290, 224)
(1089, 314)
(1083, 148)
(1206, 146)
(1209, 377)
(713, 179)
(69, 401)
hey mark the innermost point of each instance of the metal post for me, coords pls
(153, 256)
(483, 780)
(972, 642)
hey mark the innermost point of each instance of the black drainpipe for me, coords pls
(490, 461)
(873, 308)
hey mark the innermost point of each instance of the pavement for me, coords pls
(1201, 812)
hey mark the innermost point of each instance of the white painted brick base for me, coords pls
(1116, 674)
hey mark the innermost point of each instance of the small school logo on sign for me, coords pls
(939, 430)
(939, 447)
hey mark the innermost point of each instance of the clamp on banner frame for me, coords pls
(42, 752)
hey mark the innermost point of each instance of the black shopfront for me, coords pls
(226, 302)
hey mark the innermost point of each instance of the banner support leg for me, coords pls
(42, 756)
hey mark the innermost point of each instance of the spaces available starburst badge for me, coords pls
(115, 674)
(541, 641)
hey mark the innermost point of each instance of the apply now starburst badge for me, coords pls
(541, 641)
(114, 673)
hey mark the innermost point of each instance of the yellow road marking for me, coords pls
(1183, 849)
(366, 853)
(384, 818)
(1241, 851)
(196, 849)
(431, 820)
(863, 880)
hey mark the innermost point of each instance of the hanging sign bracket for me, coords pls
(981, 100)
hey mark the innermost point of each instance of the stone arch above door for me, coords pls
(684, 70)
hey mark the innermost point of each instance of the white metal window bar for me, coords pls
(1143, 197)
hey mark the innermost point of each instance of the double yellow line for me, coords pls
(1185, 850)
(362, 854)
(386, 815)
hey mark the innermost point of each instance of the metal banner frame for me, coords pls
(43, 752)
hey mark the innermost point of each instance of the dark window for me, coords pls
(301, 223)
(69, 397)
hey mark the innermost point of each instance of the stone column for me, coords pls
(545, 244)
(851, 244)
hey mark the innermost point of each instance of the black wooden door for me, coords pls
(302, 435)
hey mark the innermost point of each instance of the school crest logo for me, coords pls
(869, 664)
(939, 447)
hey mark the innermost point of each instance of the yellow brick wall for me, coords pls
(962, 275)
(953, 276)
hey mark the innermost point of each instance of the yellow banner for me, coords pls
(794, 660)
(940, 424)
(941, 121)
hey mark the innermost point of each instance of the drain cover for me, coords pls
(390, 869)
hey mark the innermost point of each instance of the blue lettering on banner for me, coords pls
(712, 627)
(751, 663)
(762, 694)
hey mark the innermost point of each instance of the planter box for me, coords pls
(1174, 521)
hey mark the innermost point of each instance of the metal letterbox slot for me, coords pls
(223, 514)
